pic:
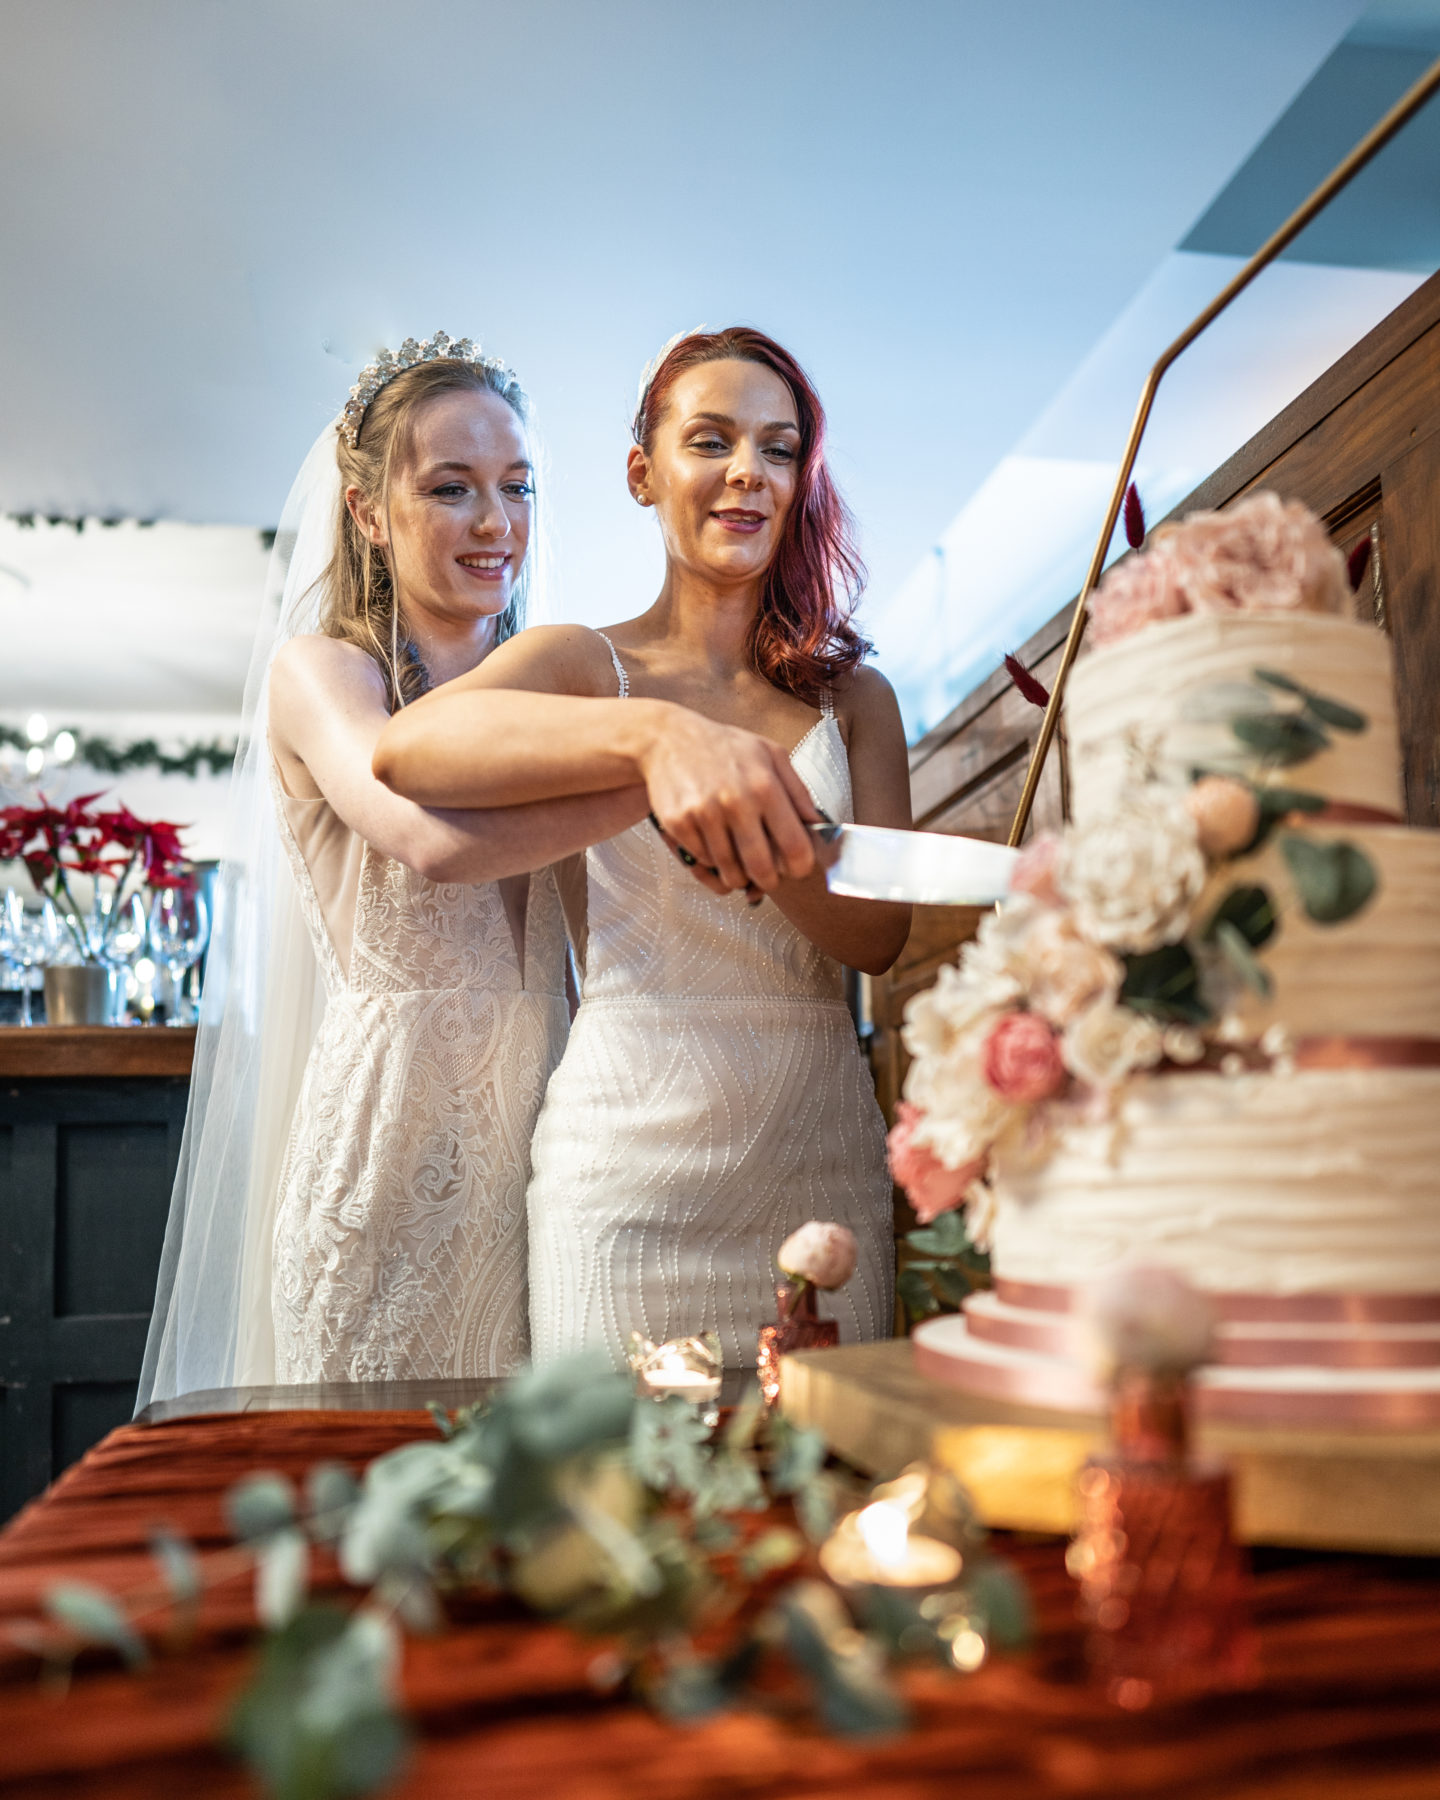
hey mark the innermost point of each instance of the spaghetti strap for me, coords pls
(827, 701)
(620, 674)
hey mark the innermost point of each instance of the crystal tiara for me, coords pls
(390, 363)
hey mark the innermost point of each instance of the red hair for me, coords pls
(802, 640)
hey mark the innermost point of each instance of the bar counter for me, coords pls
(58, 1051)
(90, 1125)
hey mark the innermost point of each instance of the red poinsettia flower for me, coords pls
(76, 839)
(156, 842)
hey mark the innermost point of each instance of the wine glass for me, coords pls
(179, 931)
(125, 933)
(31, 937)
(9, 945)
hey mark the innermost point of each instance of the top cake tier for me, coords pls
(1166, 695)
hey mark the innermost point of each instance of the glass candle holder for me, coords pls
(687, 1368)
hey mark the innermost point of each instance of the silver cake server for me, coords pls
(927, 868)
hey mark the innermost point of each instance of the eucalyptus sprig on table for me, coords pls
(624, 1517)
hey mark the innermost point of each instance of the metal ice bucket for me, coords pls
(82, 994)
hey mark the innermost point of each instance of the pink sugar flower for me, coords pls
(1021, 1059)
(1263, 555)
(932, 1188)
(1034, 871)
(1134, 594)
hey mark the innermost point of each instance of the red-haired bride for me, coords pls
(712, 1096)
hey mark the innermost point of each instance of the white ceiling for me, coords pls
(211, 214)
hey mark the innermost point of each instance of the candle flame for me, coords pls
(884, 1530)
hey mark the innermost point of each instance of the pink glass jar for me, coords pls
(798, 1327)
(1164, 1588)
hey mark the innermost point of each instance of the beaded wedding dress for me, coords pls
(711, 1099)
(400, 1224)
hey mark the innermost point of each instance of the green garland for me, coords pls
(107, 757)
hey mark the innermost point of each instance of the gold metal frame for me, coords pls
(1370, 145)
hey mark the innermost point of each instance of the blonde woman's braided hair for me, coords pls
(358, 604)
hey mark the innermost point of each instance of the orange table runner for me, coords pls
(1347, 1703)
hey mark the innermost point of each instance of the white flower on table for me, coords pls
(820, 1253)
(1138, 1317)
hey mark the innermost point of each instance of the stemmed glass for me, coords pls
(121, 941)
(179, 931)
(27, 939)
(9, 950)
(124, 933)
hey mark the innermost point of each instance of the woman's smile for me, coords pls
(735, 518)
(486, 565)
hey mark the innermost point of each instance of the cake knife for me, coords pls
(927, 868)
(923, 868)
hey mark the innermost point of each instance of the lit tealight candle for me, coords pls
(672, 1375)
(687, 1367)
(875, 1547)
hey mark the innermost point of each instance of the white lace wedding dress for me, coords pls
(712, 1098)
(400, 1225)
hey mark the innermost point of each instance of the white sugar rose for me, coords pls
(819, 1253)
(961, 1113)
(1066, 972)
(1134, 874)
(1106, 1044)
(992, 973)
(938, 1018)
(1182, 1044)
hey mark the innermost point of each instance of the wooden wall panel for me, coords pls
(1411, 571)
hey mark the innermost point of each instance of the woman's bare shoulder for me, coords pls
(864, 696)
(313, 655)
(313, 669)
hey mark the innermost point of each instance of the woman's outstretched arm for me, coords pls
(863, 934)
(537, 720)
(327, 709)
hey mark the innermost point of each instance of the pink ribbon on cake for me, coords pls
(1267, 1309)
(1346, 812)
(1356, 1052)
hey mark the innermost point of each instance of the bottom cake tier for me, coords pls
(1372, 1371)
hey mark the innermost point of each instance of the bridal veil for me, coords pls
(259, 1012)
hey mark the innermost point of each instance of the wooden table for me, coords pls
(1347, 1706)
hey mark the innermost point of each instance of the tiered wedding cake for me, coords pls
(1205, 1033)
